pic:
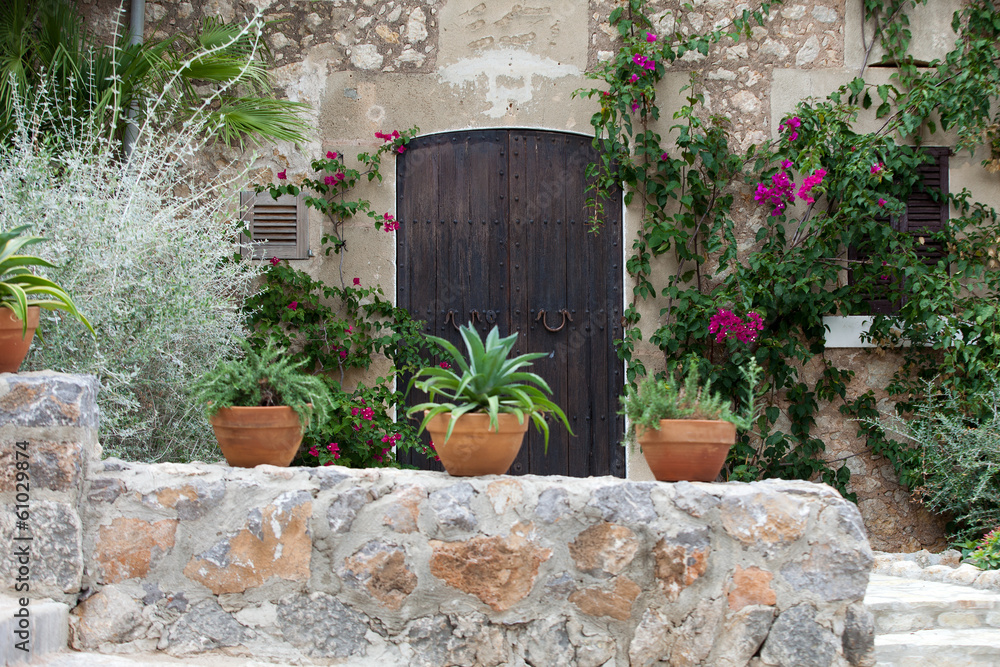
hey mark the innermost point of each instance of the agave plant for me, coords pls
(17, 282)
(489, 382)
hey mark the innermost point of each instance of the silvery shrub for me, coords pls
(149, 250)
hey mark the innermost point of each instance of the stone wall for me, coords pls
(398, 567)
(446, 65)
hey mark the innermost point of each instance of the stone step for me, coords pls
(940, 647)
(910, 605)
(47, 629)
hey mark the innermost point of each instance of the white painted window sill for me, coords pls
(852, 330)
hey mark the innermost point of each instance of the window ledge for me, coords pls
(847, 330)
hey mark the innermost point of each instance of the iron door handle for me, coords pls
(565, 316)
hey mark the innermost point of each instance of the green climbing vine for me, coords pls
(821, 187)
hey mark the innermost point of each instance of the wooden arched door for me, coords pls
(493, 229)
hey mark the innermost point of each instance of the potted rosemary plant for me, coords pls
(685, 429)
(19, 309)
(477, 408)
(260, 405)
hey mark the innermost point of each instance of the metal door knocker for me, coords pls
(565, 316)
(453, 316)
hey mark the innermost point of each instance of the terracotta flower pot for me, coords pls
(687, 449)
(259, 435)
(14, 344)
(474, 448)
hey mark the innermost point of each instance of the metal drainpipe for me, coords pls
(137, 24)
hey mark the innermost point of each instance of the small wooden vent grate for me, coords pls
(278, 225)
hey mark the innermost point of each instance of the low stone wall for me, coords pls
(332, 565)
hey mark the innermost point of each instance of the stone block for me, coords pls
(46, 398)
(53, 465)
(604, 548)
(54, 553)
(796, 638)
(321, 626)
(500, 571)
(110, 616)
(128, 548)
(614, 603)
(380, 569)
(205, 627)
(274, 543)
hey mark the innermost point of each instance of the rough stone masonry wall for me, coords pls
(397, 567)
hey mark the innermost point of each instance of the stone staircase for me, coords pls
(923, 622)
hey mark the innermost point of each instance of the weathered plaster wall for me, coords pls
(444, 65)
(390, 567)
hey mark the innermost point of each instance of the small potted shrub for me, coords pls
(260, 405)
(477, 409)
(685, 429)
(19, 307)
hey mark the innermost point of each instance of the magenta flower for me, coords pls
(635, 77)
(809, 183)
(330, 155)
(350, 328)
(401, 149)
(881, 202)
(293, 305)
(877, 167)
(275, 261)
(793, 125)
(725, 324)
(786, 164)
(665, 156)
(445, 365)
(329, 180)
(343, 354)
(283, 174)
(650, 37)
(635, 106)
(339, 176)
(357, 281)
(313, 451)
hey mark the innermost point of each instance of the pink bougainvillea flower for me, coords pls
(329, 180)
(445, 365)
(793, 125)
(330, 155)
(786, 164)
(293, 305)
(343, 354)
(877, 167)
(401, 149)
(665, 156)
(635, 106)
(634, 78)
(339, 176)
(332, 447)
(275, 261)
(350, 328)
(283, 174)
(313, 452)
(809, 183)
(881, 202)
(357, 281)
(726, 324)
(650, 37)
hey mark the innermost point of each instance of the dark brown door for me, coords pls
(493, 230)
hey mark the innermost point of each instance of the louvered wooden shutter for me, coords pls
(926, 213)
(281, 224)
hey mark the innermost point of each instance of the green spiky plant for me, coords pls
(265, 378)
(682, 395)
(488, 382)
(18, 283)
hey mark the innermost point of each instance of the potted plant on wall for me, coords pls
(19, 309)
(685, 429)
(481, 423)
(260, 405)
